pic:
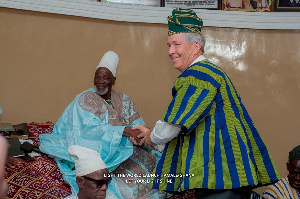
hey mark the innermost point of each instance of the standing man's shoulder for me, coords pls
(204, 71)
(207, 65)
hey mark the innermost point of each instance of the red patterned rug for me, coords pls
(38, 179)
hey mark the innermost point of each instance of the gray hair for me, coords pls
(193, 37)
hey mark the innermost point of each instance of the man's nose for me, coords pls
(104, 187)
(171, 50)
(100, 80)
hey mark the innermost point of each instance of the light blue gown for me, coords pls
(89, 121)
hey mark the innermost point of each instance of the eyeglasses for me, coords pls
(100, 183)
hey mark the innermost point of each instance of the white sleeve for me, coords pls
(164, 132)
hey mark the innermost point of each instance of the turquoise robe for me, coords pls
(90, 122)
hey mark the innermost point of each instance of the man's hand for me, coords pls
(144, 136)
(133, 134)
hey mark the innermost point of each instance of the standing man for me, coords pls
(288, 187)
(212, 145)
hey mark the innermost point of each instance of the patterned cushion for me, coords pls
(35, 129)
(40, 178)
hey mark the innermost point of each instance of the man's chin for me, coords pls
(102, 91)
(100, 196)
(176, 66)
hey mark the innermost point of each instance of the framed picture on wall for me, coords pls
(287, 5)
(248, 5)
(152, 3)
(193, 4)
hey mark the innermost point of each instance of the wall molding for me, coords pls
(143, 14)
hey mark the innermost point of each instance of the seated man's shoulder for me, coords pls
(277, 189)
(118, 94)
(72, 197)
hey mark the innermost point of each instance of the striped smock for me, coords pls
(281, 190)
(220, 148)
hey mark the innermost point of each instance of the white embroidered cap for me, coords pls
(87, 161)
(110, 61)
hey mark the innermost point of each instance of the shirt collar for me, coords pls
(200, 58)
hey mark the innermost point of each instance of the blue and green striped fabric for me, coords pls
(221, 148)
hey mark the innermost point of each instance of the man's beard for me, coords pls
(102, 92)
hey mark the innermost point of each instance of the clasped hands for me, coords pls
(139, 135)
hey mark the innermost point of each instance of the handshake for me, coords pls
(139, 135)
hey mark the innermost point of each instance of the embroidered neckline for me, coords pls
(110, 103)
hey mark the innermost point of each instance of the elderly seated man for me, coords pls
(101, 118)
(91, 173)
(288, 187)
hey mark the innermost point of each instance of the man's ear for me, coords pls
(79, 181)
(197, 47)
(114, 81)
(288, 166)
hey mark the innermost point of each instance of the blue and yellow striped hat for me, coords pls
(184, 21)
